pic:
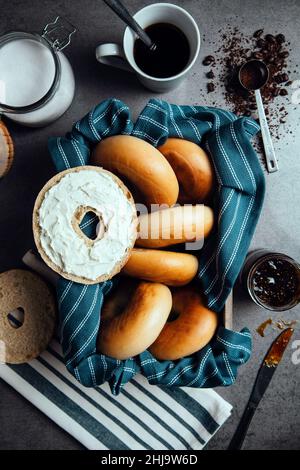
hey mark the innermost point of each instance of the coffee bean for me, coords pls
(274, 59)
(210, 74)
(210, 87)
(261, 43)
(270, 38)
(276, 92)
(283, 92)
(208, 60)
(289, 83)
(258, 33)
(270, 47)
(279, 78)
(284, 54)
(279, 63)
(280, 38)
(285, 77)
(258, 55)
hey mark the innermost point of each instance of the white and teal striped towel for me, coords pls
(143, 416)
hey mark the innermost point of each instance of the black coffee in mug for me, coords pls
(171, 55)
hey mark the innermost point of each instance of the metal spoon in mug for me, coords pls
(124, 14)
(253, 75)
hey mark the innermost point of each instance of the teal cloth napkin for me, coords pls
(240, 195)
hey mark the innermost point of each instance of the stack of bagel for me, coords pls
(155, 306)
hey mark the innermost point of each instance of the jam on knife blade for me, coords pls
(275, 354)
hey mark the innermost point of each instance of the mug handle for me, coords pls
(112, 54)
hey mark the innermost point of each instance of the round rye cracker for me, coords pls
(6, 150)
(25, 291)
(76, 220)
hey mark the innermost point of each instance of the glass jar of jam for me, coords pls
(272, 280)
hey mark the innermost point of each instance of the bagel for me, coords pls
(168, 267)
(141, 164)
(190, 331)
(27, 316)
(175, 225)
(192, 167)
(58, 212)
(132, 318)
(6, 150)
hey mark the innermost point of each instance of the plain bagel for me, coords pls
(190, 331)
(141, 164)
(179, 224)
(192, 167)
(168, 267)
(132, 318)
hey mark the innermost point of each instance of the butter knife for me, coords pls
(264, 376)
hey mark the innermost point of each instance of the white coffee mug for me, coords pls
(123, 57)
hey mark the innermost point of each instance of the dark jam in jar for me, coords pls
(275, 282)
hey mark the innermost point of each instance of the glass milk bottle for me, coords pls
(36, 79)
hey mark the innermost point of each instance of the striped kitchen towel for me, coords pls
(142, 417)
(238, 201)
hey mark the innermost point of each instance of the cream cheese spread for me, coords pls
(68, 249)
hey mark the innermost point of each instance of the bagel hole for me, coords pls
(16, 317)
(173, 316)
(90, 225)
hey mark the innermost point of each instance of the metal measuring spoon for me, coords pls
(253, 75)
(124, 14)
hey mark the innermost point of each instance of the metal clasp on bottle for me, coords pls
(59, 33)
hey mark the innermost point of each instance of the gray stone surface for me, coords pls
(277, 422)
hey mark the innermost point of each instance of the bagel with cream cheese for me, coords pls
(179, 224)
(192, 168)
(59, 211)
(168, 267)
(141, 164)
(132, 318)
(193, 328)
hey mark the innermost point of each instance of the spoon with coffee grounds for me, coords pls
(253, 75)
(124, 14)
